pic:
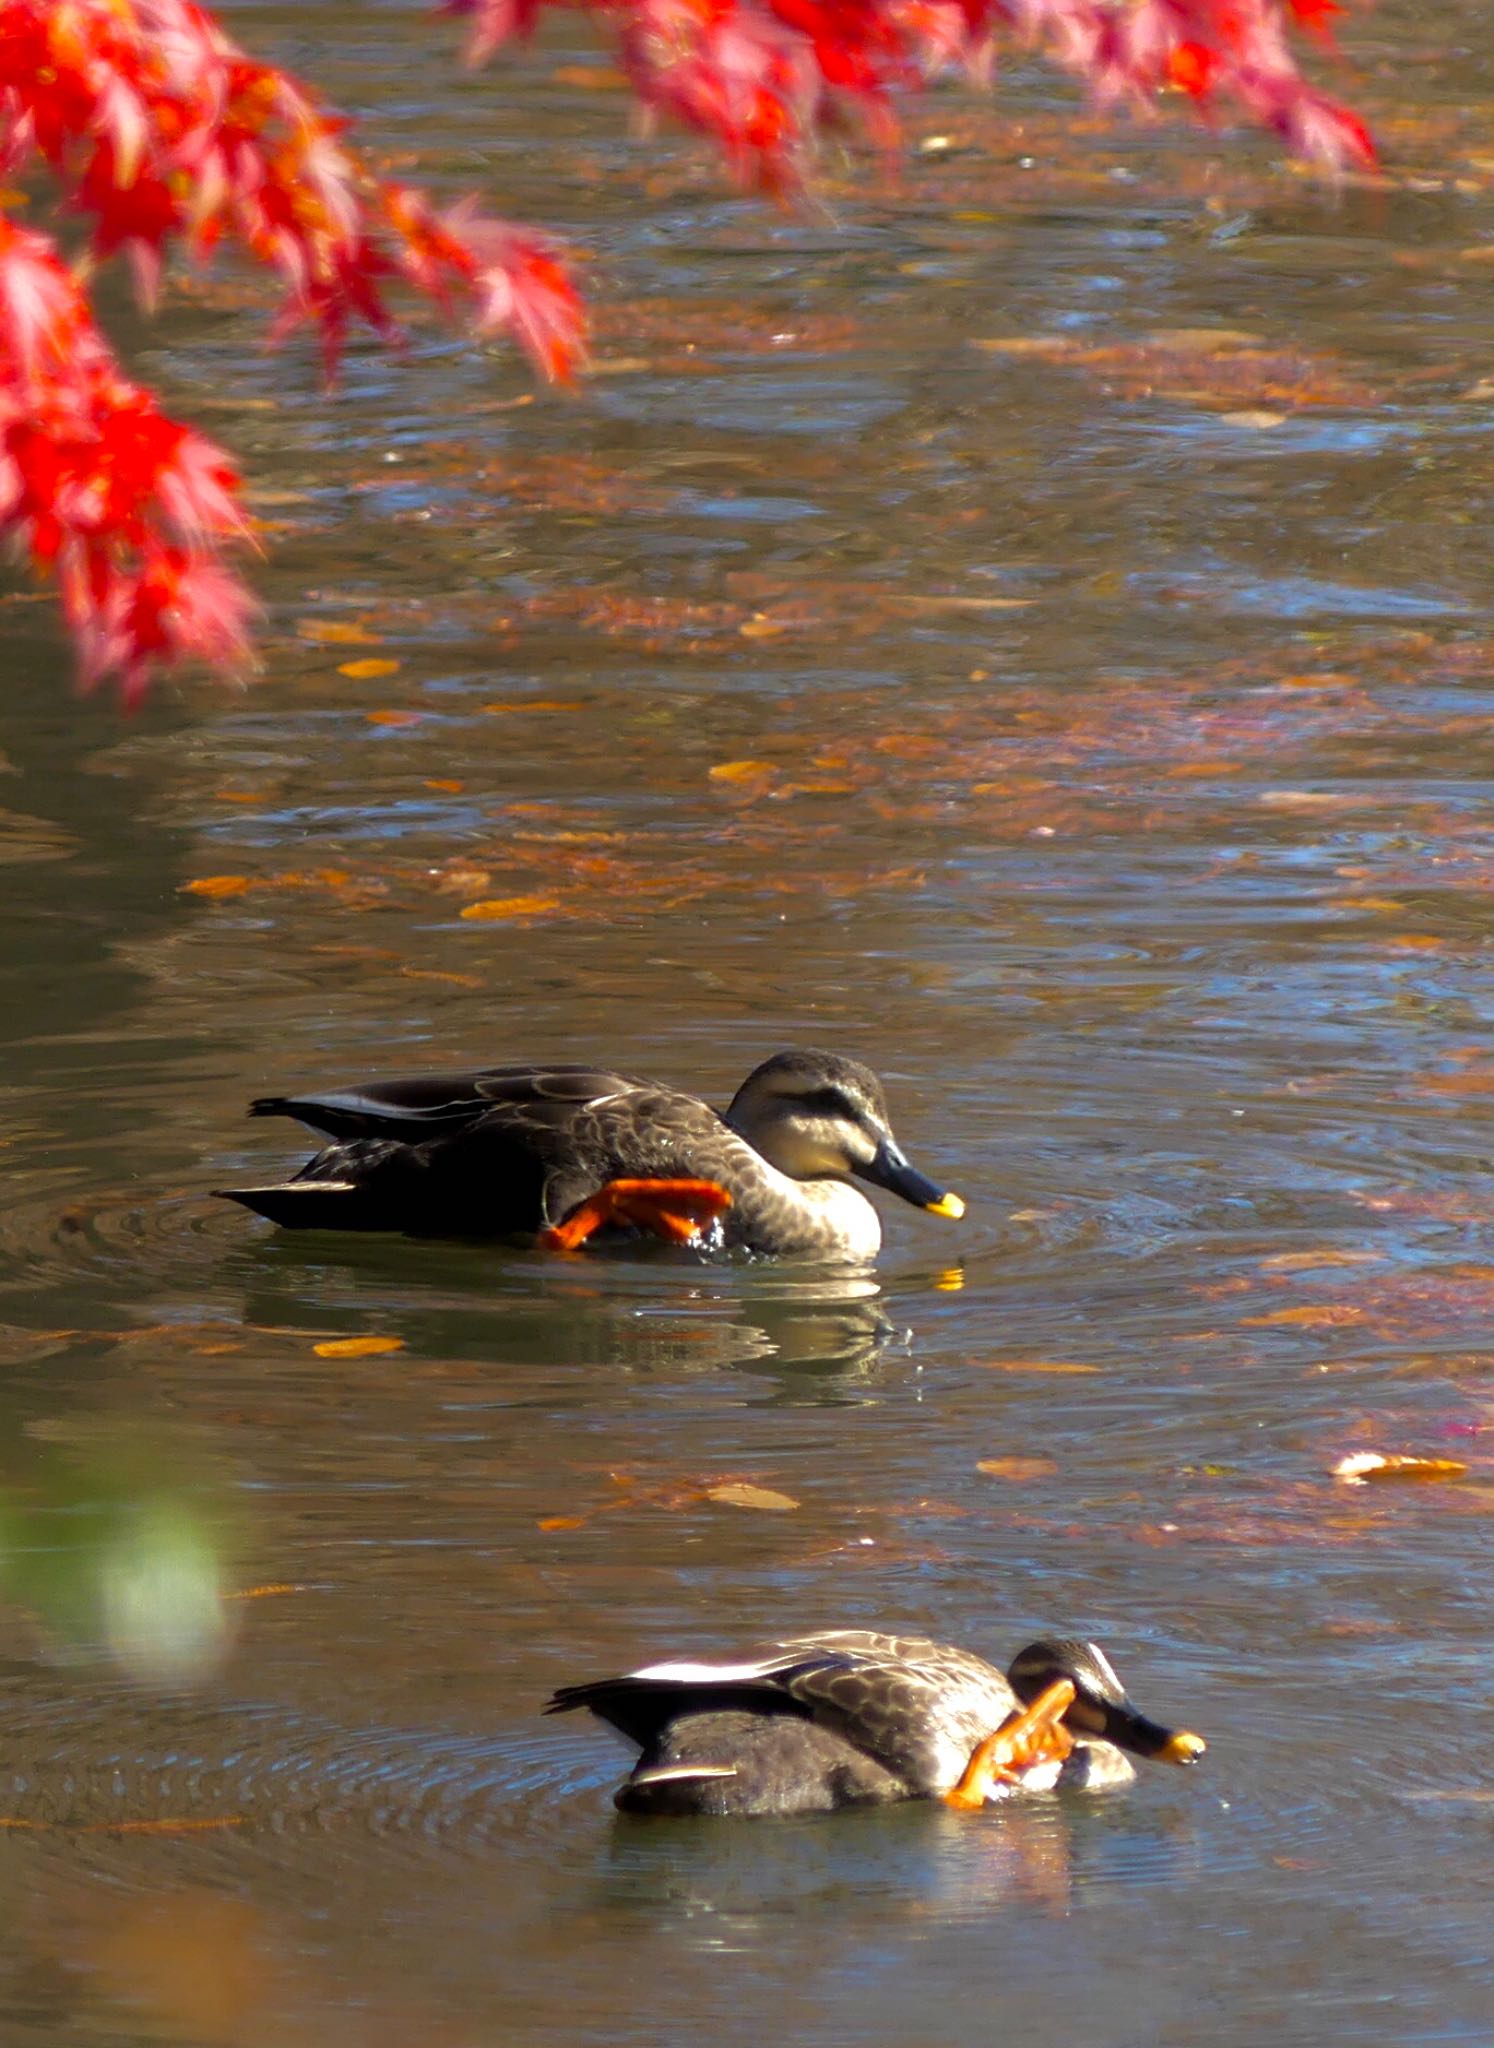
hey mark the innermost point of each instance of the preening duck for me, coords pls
(849, 1718)
(558, 1153)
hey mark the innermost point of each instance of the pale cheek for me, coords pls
(807, 1155)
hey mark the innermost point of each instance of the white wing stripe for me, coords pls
(712, 1674)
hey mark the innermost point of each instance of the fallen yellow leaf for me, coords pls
(357, 1347)
(216, 885)
(1035, 1365)
(741, 771)
(737, 1493)
(1017, 1468)
(510, 906)
(334, 632)
(1301, 1262)
(1328, 1315)
(1363, 1466)
(374, 665)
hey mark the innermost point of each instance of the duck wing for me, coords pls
(425, 1105)
(501, 1154)
(918, 1707)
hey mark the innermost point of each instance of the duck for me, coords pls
(557, 1155)
(848, 1717)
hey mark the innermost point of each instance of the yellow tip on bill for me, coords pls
(1182, 1748)
(947, 1205)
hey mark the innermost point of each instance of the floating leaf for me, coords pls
(510, 906)
(1325, 1255)
(217, 885)
(375, 665)
(393, 718)
(739, 772)
(738, 1493)
(1312, 1316)
(1036, 1365)
(1017, 1468)
(357, 1347)
(1362, 1467)
(336, 632)
(549, 1522)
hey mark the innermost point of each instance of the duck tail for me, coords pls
(304, 1204)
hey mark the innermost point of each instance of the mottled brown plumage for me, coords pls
(510, 1152)
(850, 1717)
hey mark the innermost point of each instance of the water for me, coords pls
(1121, 796)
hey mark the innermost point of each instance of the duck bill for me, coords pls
(890, 1169)
(1129, 1730)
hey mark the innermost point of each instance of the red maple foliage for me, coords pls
(164, 137)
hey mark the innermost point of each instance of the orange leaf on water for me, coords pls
(357, 1347)
(374, 665)
(334, 632)
(1362, 1467)
(1313, 1316)
(217, 885)
(536, 704)
(738, 1493)
(441, 974)
(1035, 1365)
(739, 772)
(1300, 1262)
(549, 1522)
(1017, 1468)
(445, 785)
(393, 718)
(510, 906)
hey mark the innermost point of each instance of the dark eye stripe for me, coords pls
(830, 1102)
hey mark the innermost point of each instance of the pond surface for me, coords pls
(1026, 625)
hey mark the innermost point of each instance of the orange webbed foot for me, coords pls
(676, 1210)
(1036, 1735)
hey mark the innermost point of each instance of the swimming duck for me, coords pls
(849, 1718)
(558, 1153)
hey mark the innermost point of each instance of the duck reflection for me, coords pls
(817, 1335)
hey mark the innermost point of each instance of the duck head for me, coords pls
(816, 1116)
(1100, 1706)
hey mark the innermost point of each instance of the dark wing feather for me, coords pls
(499, 1154)
(918, 1706)
(641, 1706)
(423, 1105)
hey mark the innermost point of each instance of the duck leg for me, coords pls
(676, 1210)
(1035, 1735)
